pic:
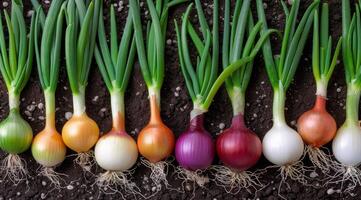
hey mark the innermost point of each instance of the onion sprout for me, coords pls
(238, 147)
(116, 151)
(16, 61)
(346, 146)
(316, 126)
(48, 147)
(282, 145)
(80, 133)
(156, 140)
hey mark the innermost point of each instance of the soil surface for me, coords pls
(176, 106)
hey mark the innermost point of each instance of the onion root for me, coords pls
(14, 168)
(321, 159)
(193, 176)
(54, 177)
(118, 180)
(351, 174)
(234, 181)
(159, 171)
(85, 160)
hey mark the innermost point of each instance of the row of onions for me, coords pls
(238, 147)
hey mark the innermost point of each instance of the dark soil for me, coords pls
(176, 106)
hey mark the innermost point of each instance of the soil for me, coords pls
(176, 106)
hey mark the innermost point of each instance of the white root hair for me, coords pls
(54, 177)
(14, 168)
(85, 160)
(295, 171)
(117, 181)
(234, 181)
(321, 158)
(159, 172)
(346, 174)
(197, 176)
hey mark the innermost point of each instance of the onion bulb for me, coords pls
(156, 140)
(195, 148)
(48, 148)
(116, 151)
(80, 133)
(282, 145)
(15, 133)
(238, 147)
(316, 126)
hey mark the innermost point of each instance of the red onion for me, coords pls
(195, 148)
(238, 147)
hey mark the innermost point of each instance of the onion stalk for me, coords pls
(155, 141)
(80, 132)
(316, 126)
(238, 147)
(282, 145)
(48, 148)
(195, 148)
(346, 146)
(116, 151)
(16, 61)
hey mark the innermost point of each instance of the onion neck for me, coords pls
(14, 100)
(196, 123)
(279, 98)
(154, 100)
(49, 109)
(197, 117)
(321, 87)
(238, 100)
(352, 104)
(118, 110)
(79, 102)
(238, 122)
(320, 103)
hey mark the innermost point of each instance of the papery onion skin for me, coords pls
(48, 148)
(238, 147)
(80, 133)
(346, 146)
(155, 141)
(15, 133)
(195, 148)
(282, 145)
(316, 126)
(116, 151)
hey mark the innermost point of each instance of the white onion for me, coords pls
(282, 145)
(346, 146)
(116, 152)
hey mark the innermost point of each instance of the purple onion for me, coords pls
(195, 148)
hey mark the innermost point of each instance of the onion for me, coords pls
(116, 151)
(80, 133)
(238, 147)
(316, 126)
(48, 148)
(282, 145)
(347, 145)
(156, 140)
(195, 148)
(15, 133)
